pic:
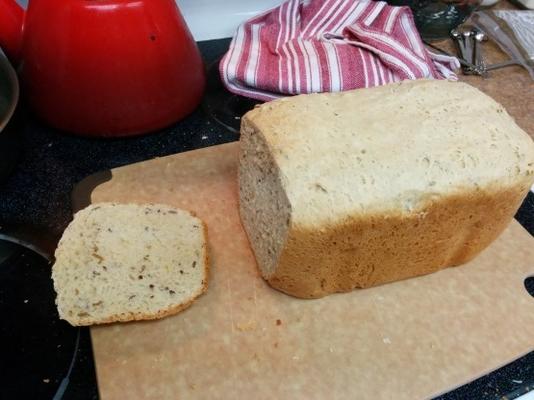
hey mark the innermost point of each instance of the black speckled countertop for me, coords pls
(37, 195)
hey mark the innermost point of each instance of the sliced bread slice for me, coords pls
(123, 262)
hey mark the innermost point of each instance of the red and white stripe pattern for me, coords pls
(307, 46)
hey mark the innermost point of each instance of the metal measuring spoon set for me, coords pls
(469, 46)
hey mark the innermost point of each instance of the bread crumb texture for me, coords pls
(122, 262)
(359, 188)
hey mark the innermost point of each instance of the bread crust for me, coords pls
(377, 249)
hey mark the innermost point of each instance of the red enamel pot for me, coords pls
(104, 68)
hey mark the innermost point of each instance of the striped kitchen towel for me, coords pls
(306, 46)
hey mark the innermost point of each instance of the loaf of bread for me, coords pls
(350, 190)
(122, 262)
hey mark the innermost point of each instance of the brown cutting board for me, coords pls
(244, 340)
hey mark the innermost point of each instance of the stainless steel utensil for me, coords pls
(458, 41)
(470, 68)
(9, 95)
(463, 62)
(468, 46)
(9, 90)
(501, 65)
(477, 51)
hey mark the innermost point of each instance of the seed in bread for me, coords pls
(122, 262)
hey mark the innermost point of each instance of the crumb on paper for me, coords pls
(278, 322)
(331, 350)
(296, 358)
(275, 345)
(386, 340)
(246, 326)
(46, 380)
(192, 386)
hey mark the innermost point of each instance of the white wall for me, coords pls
(213, 19)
